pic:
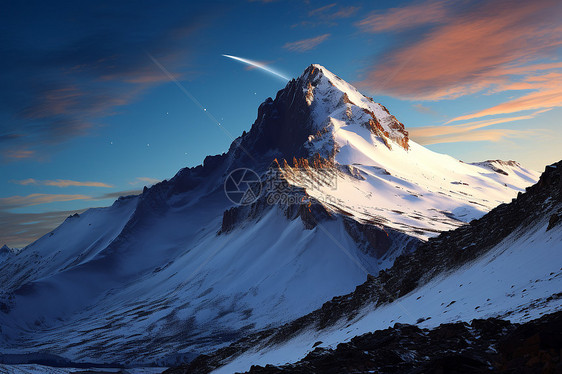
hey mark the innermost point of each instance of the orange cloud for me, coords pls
(19, 154)
(306, 44)
(467, 53)
(36, 199)
(547, 94)
(465, 132)
(60, 183)
(404, 18)
(19, 229)
(479, 136)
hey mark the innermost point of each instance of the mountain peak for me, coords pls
(306, 117)
(332, 99)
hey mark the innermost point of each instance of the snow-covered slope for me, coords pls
(391, 180)
(517, 280)
(505, 265)
(79, 239)
(179, 271)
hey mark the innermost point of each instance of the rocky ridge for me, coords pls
(481, 346)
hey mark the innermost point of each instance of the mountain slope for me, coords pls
(506, 264)
(179, 270)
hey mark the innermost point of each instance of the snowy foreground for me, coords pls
(512, 281)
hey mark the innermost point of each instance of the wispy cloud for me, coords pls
(332, 12)
(327, 15)
(306, 44)
(321, 10)
(19, 229)
(488, 135)
(343, 12)
(465, 52)
(148, 180)
(53, 92)
(468, 132)
(18, 154)
(426, 110)
(117, 194)
(546, 94)
(59, 183)
(36, 199)
(13, 202)
(405, 18)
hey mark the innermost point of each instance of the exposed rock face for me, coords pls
(292, 200)
(445, 252)
(554, 219)
(483, 346)
(496, 165)
(301, 113)
(379, 240)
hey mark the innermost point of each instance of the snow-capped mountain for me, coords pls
(180, 270)
(504, 265)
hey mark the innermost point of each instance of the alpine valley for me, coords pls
(419, 243)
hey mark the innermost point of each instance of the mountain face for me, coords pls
(181, 270)
(5, 252)
(504, 265)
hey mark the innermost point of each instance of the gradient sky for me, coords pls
(86, 115)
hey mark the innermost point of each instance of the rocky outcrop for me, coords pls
(483, 346)
(378, 240)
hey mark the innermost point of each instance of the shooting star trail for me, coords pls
(257, 65)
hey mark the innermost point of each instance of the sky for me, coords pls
(91, 106)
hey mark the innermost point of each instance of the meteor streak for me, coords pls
(257, 65)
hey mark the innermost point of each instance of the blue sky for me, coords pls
(85, 115)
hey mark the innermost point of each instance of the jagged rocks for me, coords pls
(486, 345)
(554, 219)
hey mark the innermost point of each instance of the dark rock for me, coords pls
(450, 348)
(554, 219)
